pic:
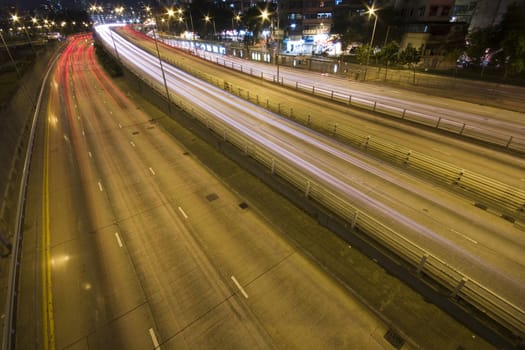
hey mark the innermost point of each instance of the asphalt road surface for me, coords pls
(132, 244)
(476, 242)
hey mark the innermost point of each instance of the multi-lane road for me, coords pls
(130, 243)
(483, 246)
(502, 121)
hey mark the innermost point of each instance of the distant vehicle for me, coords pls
(54, 36)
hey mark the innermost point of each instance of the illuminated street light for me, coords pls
(15, 19)
(181, 11)
(265, 16)
(237, 18)
(170, 13)
(371, 12)
(209, 19)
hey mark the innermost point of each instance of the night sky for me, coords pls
(32, 4)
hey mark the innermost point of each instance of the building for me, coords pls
(481, 13)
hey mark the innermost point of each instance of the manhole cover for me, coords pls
(243, 205)
(212, 197)
(395, 339)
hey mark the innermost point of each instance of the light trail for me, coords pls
(289, 144)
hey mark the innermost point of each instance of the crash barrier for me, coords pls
(487, 192)
(459, 285)
(440, 122)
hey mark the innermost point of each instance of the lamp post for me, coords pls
(162, 69)
(209, 19)
(170, 14)
(237, 18)
(266, 16)
(15, 19)
(180, 11)
(371, 12)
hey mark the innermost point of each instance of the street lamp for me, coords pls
(371, 12)
(208, 19)
(276, 34)
(180, 11)
(170, 14)
(237, 18)
(162, 69)
(15, 19)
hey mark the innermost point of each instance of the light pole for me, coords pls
(170, 14)
(15, 19)
(209, 19)
(266, 16)
(237, 18)
(371, 12)
(162, 68)
(180, 11)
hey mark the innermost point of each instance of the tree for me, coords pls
(253, 20)
(389, 54)
(410, 57)
(512, 28)
(350, 29)
(361, 53)
(508, 36)
(482, 39)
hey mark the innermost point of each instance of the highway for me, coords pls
(500, 120)
(507, 168)
(131, 243)
(449, 226)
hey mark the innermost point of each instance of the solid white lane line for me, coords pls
(120, 125)
(100, 186)
(90, 155)
(183, 213)
(464, 236)
(132, 143)
(83, 132)
(152, 171)
(154, 339)
(239, 286)
(118, 240)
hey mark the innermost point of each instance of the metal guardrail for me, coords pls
(459, 284)
(508, 200)
(489, 193)
(440, 122)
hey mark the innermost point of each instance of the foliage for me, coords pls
(389, 54)
(361, 53)
(509, 35)
(482, 39)
(355, 27)
(350, 29)
(410, 56)
(513, 41)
